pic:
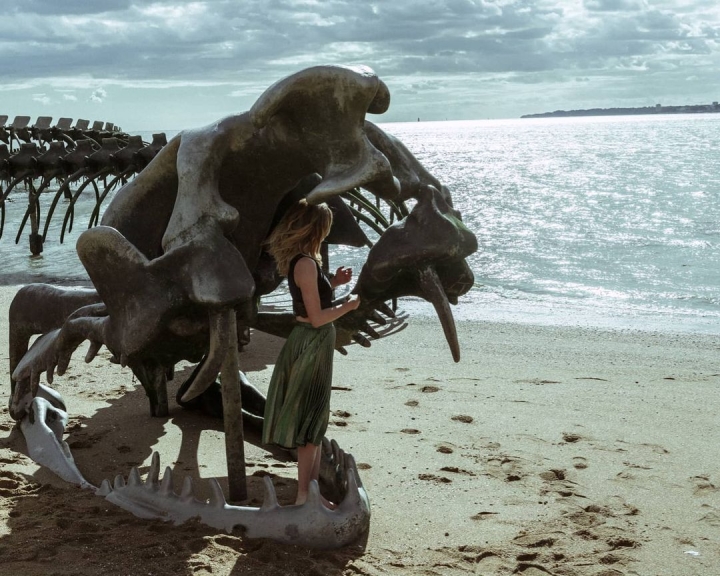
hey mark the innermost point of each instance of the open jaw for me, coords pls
(310, 524)
(423, 255)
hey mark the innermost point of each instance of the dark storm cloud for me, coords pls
(211, 39)
(229, 42)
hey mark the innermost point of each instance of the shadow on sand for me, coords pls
(57, 528)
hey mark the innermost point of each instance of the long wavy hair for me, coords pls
(300, 231)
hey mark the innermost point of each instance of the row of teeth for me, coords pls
(165, 488)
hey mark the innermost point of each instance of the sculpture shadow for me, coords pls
(57, 528)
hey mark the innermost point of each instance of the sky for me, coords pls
(175, 64)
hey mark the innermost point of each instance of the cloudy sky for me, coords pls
(174, 64)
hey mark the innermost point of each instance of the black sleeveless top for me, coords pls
(324, 288)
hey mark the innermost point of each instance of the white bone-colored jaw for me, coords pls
(310, 524)
(43, 427)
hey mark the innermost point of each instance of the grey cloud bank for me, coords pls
(177, 64)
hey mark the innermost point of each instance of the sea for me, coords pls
(607, 222)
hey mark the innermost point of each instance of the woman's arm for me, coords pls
(306, 279)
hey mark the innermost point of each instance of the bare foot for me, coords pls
(302, 498)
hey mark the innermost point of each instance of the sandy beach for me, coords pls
(546, 450)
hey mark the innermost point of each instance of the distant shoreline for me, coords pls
(713, 108)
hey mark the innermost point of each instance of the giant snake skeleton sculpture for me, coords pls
(82, 155)
(178, 266)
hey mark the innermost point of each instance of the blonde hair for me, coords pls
(300, 231)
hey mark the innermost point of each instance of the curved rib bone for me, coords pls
(310, 524)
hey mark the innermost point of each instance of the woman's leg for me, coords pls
(306, 465)
(309, 469)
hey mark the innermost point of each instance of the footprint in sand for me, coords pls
(534, 541)
(703, 485)
(444, 450)
(482, 515)
(342, 414)
(712, 518)
(571, 437)
(507, 468)
(410, 431)
(263, 473)
(490, 561)
(528, 569)
(456, 470)
(589, 517)
(12, 484)
(80, 444)
(621, 542)
(553, 474)
(429, 389)
(434, 478)
(463, 418)
(412, 403)
(579, 463)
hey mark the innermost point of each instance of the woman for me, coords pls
(297, 410)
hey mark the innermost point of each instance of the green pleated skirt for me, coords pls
(297, 409)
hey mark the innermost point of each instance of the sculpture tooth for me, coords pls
(385, 309)
(326, 446)
(270, 500)
(352, 466)
(336, 450)
(134, 477)
(154, 471)
(341, 459)
(104, 489)
(119, 482)
(370, 330)
(433, 291)
(314, 499)
(341, 467)
(377, 318)
(217, 498)
(353, 491)
(186, 493)
(360, 339)
(92, 351)
(166, 486)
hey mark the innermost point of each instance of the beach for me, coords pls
(545, 450)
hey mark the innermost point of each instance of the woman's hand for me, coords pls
(352, 302)
(342, 276)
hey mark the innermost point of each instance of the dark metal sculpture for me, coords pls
(40, 154)
(178, 262)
